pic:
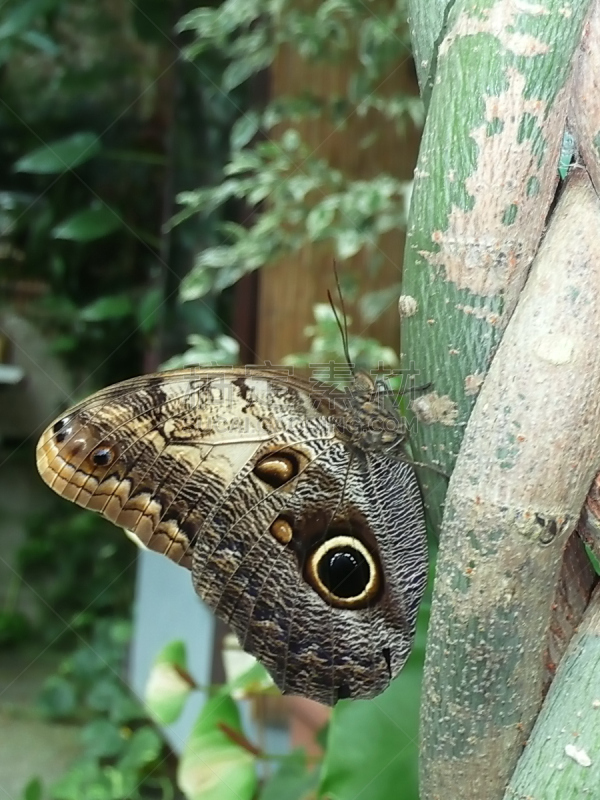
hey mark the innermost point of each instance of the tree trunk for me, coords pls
(503, 85)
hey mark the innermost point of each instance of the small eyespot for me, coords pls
(282, 530)
(103, 456)
(58, 429)
(344, 572)
(276, 469)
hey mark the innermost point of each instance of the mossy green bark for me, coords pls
(562, 757)
(484, 182)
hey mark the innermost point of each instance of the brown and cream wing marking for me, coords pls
(301, 526)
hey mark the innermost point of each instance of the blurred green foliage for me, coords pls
(306, 199)
(81, 567)
(370, 745)
(123, 756)
(101, 123)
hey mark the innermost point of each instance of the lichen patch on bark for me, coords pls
(473, 383)
(432, 408)
(477, 251)
(407, 306)
(500, 21)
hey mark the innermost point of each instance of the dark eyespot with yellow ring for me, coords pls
(276, 469)
(344, 572)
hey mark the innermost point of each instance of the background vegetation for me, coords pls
(143, 174)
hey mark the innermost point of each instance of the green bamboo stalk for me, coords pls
(562, 758)
(531, 449)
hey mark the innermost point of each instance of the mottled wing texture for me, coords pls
(247, 481)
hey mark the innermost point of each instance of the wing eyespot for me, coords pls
(60, 430)
(282, 530)
(103, 456)
(277, 469)
(344, 572)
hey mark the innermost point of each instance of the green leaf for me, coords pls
(292, 781)
(319, 220)
(348, 243)
(372, 745)
(103, 739)
(252, 679)
(86, 779)
(244, 129)
(14, 626)
(168, 685)
(593, 559)
(114, 306)
(110, 697)
(41, 42)
(33, 790)
(21, 16)
(60, 155)
(568, 150)
(148, 310)
(89, 225)
(212, 766)
(221, 350)
(197, 283)
(58, 698)
(143, 748)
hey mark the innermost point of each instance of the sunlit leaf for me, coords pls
(222, 350)
(348, 243)
(245, 675)
(169, 684)
(212, 766)
(319, 220)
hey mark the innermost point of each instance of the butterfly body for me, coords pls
(288, 501)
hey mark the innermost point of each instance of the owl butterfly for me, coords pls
(290, 502)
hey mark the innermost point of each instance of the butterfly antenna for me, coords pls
(342, 325)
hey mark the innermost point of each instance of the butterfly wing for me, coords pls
(311, 549)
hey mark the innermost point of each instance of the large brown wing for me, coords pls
(153, 454)
(243, 479)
